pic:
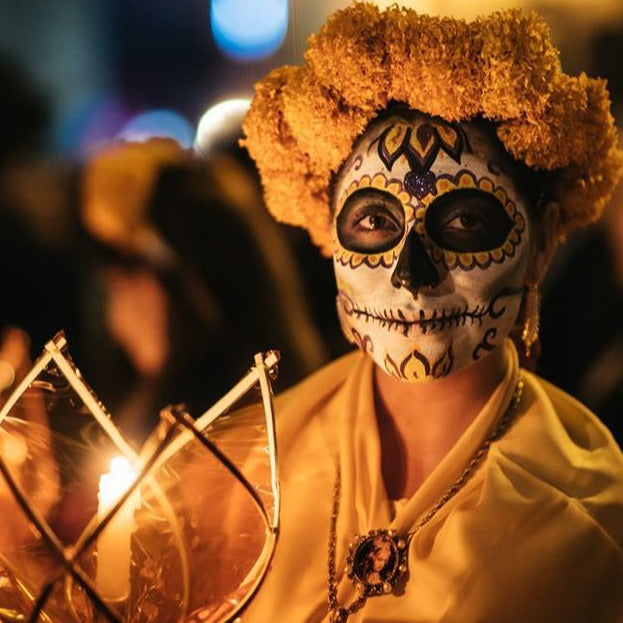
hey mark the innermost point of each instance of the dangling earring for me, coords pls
(532, 312)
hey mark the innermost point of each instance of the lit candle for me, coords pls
(113, 546)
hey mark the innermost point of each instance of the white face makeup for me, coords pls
(431, 246)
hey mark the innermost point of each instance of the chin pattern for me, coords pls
(439, 344)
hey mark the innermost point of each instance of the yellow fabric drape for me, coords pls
(535, 535)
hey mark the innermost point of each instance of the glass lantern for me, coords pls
(92, 530)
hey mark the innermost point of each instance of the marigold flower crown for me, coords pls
(304, 119)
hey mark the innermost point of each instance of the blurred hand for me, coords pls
(24, 444)
(137, 315)
(14, 359)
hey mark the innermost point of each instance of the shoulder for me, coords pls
(551, 501)
(561, 454)
(567, 428)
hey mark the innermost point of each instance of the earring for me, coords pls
(530, 333)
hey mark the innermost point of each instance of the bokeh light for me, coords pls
(249, 29)
(220, 124)
(158, 123)
(90, 123)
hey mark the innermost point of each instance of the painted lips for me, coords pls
(435, 320)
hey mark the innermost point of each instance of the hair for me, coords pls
(503, 68)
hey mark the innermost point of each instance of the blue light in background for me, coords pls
(158, 123)
(249, 29)
(90, 122)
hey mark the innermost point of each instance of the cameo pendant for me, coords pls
(377, 561)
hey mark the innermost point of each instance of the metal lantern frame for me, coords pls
(182, 428)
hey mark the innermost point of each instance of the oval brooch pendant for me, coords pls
(377, 561)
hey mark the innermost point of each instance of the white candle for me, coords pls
(113, 545)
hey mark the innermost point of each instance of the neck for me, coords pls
(420, 422)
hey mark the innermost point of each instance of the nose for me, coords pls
(414, 269)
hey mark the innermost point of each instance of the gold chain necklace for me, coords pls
(377, 561)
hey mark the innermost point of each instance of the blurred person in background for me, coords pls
(37, 293)
(37, 230)
(222, 142)
(182, 286)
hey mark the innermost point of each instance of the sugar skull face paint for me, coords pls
(431, 246)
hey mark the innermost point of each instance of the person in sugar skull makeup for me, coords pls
(432, 245)
(439, 162)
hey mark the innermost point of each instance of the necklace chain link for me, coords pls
(339, 613)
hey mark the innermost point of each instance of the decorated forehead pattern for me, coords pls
(420, 143)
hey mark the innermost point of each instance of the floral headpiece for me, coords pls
(303, 120)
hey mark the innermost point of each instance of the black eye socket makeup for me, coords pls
(468, 220)
(371, 221)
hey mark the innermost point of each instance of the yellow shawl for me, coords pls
(536, 534)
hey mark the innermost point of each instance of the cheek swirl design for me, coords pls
(386, 259)
(364, 343)
(355, 165)
(485, 345)
(469, 260)
(417, 367)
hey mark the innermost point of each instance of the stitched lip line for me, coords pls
(456, 316)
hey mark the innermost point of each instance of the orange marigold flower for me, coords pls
(303, 120)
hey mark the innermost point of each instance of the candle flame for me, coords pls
(117, 481)
(120, 466)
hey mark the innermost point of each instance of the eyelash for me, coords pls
(462, 212)
(375, 211)
(374, 221)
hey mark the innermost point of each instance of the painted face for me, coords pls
(431, 245)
